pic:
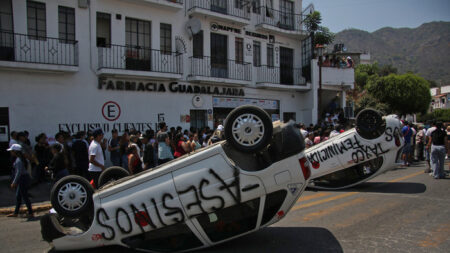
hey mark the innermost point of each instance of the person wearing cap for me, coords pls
(96, 158)
(21, 180)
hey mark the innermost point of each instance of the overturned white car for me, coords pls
(221, 192)
(357, 155)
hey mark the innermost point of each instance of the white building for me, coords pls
(440, 97)
(77, 65)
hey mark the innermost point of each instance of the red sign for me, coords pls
(111, 111)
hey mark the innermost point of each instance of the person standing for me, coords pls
(428, 149)
(21, 180)
(134, 161)
(420, 142)
(80, 155)
(181, 147)
(164, 150)
(438, 143)
(96, 159)
(43, 155)
(123, 144)
(407, 134)
(57, 165)
(148, 157)
(114, 148)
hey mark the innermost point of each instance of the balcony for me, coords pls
(20, 51)
(230, 11)
(131, 61)
(281, 23)
(220, 71)
(276, 78)
(174, 5)
(338, 77)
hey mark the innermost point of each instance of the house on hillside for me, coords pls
(440, 98)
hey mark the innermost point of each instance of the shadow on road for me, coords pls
(387, 187)
(271, 239)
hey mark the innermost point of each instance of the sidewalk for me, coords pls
(39, 197)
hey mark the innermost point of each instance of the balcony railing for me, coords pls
(34, 49)
(276, 75)
(220, 68)
(228, 7)
(139, 58)
(283, 20)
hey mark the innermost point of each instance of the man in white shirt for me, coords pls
(96, 159)
(303, 131)
(13, 139)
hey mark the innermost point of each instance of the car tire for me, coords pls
(71, 196)
(248, 128)
(370, 124)
(112, 174)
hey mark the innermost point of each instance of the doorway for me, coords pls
(4, 141)
(219, 55)
(286, 66)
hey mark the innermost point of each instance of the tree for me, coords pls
(404, 94)
(438, 114)
(366, 72)
(319, 34)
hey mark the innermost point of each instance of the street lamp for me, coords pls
(319, 52)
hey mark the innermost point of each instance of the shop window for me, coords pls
(256, 53)
(197, 45)
(273, 203)
(230, 221)
(176, 237)
(239, 50)
(103, 29)
(166, 38)
(66, 24)
(36, 20)
(199, 119)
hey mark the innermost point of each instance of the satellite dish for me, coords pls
(193, 26)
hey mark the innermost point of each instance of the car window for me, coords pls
(230, 221)
(272, 205)
(176, 237)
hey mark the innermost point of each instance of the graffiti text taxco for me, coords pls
(360, 151)
(151, 214)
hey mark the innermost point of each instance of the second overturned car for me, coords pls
(229, 189)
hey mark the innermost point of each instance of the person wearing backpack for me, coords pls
(438, 143)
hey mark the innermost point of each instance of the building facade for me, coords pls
(77, 65)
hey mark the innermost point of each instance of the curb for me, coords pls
(38, 207)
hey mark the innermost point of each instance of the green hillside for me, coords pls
(424, 50)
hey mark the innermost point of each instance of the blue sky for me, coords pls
(371, 15)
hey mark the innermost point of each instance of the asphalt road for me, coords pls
(403, 210)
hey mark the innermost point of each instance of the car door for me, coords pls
(222, 201)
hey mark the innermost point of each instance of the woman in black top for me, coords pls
(57, 164)
(43, 155)
(438, 143)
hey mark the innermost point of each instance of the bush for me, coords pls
(438, 114)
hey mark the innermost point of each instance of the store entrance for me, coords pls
(4, 141)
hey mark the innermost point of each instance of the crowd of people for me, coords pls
(338, 62)
(427, 142)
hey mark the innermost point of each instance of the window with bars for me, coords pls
(197, 45)
(270, 57)
(103, 29)
(165, 38)
(239, 50)
(6, 16)
(256, 53)
(66, 24)
(137, 33)
(36, 20)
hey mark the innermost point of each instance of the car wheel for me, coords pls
(370, 124)
(248, 128)
(71, 196)
(112, 174)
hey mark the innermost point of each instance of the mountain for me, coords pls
(424, 50)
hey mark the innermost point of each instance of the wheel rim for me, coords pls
(72, 196)
(248, 130)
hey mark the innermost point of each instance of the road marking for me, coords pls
(406, 177)
(317, 195)
(315, 215)
(437, 237)
(314, 196)
(324, 200)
